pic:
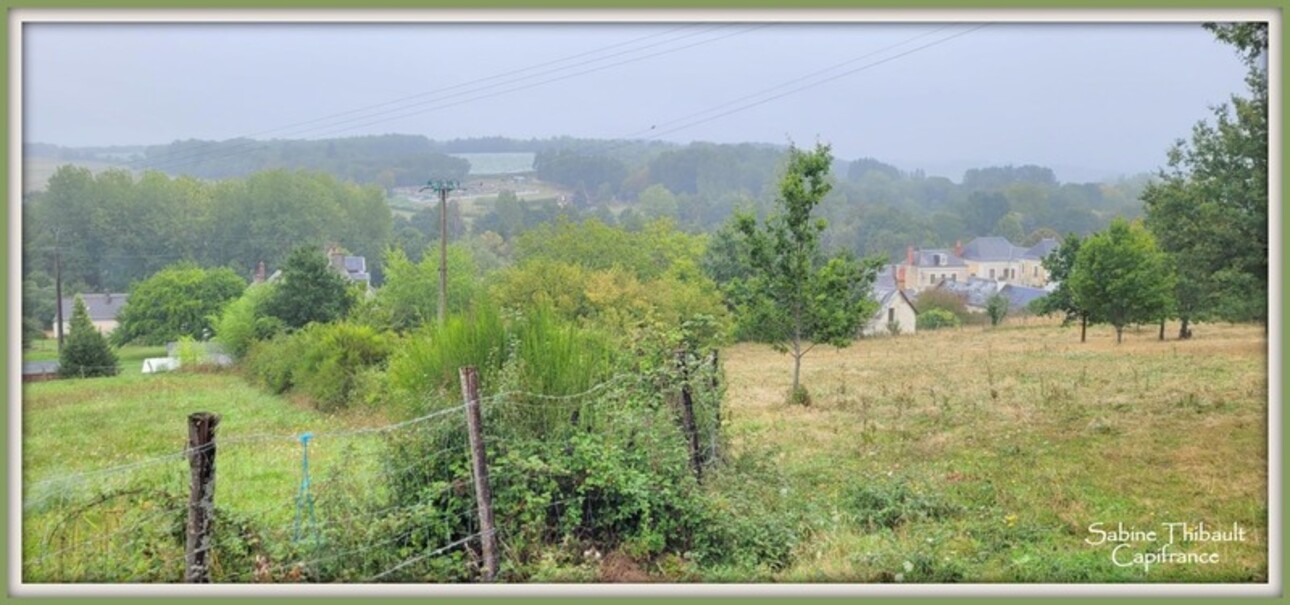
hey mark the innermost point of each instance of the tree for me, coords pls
(997, 308)
(1121, 277)
(802, 298)
(1209, 208)
(310, 291)
(1059, 263)
(180, 300)
(657, 202)
(86, 352)
(411, 292)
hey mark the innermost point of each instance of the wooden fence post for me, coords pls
(483, 494)
(687, 417)
(201, 496)
(716, 396)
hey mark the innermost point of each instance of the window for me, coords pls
(954, 277)
(991, 273)
(891, 314)
(1036, 272)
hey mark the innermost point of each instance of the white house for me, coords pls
(103, 310)
(894, 306)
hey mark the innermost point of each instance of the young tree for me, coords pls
(1121, 277)
(1059, 263)
(180, 300)
(801, 298)
(310, 291)
(86, 352)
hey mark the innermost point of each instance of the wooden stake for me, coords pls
(201, 496)
(483, 494)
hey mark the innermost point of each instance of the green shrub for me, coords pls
(936, 318)
(945, 300)
(190, 352)
(325, 362)
(272, 363)
(333, 357)
(244, 321)
(997, 308)
(799, 396)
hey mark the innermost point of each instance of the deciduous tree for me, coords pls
(802, 298)
(1121, 277)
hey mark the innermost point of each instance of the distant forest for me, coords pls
(874, 207)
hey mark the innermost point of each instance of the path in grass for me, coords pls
(985, 455)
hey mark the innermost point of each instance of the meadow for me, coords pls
(961, 455)
(984, 455)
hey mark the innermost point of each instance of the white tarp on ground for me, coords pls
(153, 365)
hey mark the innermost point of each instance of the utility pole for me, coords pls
(58, 290)
(443, 187)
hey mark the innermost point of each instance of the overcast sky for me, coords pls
(1089, 100)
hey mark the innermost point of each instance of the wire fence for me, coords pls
(388, 503)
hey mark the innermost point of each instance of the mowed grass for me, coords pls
(984, 455)
(103, 461)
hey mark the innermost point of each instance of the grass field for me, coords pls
(36, 171)
(136, 424)
(985, 455)
(967, 455)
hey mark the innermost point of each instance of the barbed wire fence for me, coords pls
(342, 509)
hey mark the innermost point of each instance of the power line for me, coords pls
(654, 126)
(803, 87)
(391, 114)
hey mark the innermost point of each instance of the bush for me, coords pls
(325, 362)
(334, 356)
(244, 321)
(935, 319)
(799, 396)
(997, 308)
(944, 300)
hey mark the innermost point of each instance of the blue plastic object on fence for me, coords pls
(305, 499)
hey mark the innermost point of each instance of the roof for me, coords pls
(974, 290)
(1042, 249)
(102, 307)
(886, 278)
(1020, 296)
(992, 248)
(39, 367)
(885, 295)
(927, 258)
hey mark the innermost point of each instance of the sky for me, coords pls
(1088, 100)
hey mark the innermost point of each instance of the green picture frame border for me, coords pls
(12, 296)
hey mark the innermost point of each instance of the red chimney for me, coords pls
(958, 248)
(900, 277)
(909, 255)
(259, 273)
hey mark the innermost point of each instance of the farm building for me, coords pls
(103, 309)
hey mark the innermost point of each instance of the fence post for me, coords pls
(201, 496)
(687, 417)
(716, 406)
(483, 494)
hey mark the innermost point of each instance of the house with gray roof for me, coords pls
(895, 308)
(997, 258)
(1020, 297)
(975, 292)
(353, 268)
(103, 309)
